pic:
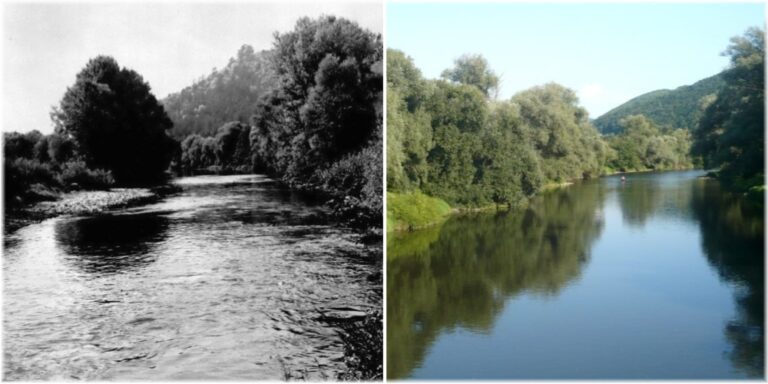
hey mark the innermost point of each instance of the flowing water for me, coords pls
(234, 277)
(658, 277)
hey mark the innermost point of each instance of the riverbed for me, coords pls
(660, 276)
(232, 277)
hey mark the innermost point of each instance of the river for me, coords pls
(658, 277)
(233, 277)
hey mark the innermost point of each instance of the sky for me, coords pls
(171, 44)
(607, 53)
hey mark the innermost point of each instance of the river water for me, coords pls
(234, 277)
(658, 277)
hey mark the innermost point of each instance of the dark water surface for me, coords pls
(232, 278)
(658, 277)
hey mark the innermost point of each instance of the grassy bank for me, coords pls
(413, 210)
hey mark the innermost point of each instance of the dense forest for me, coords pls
(308, 112)
(676, 108)
(449, 141)
(225, 95)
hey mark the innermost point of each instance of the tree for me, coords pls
(473, 70)
(116, 123)
(328, 91)
(731, 131)
(560, 132)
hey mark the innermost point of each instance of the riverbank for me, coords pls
(78, 203)
(415, 210)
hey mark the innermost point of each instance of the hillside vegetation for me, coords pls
(678, 108)
(225, 95)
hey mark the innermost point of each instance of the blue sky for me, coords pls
(608, 53)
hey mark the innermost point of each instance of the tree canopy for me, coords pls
(449, 140)
(474, 70)
(731, 133)
(116, 123)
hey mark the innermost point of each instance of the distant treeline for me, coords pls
(451, 139)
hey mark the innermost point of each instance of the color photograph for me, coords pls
(575, 191)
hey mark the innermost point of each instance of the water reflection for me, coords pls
(110, 243)
(461, 274)
(733, 241)
(644, 196)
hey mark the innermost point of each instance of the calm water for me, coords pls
(232, 278)
(658, 277)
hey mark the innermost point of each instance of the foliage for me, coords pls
(320, 127)
(37, 167)
(20, 145)
(21, 173)
(450, 141)
(731, 133)
(678, 108)
(76, 172)
(559, 131)
(228, 94)
(406, 211)
(325, 104)
(116, 122)
(356, 177)
(473, 70)
(641, 145)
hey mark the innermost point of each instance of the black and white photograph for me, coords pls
(192, 191)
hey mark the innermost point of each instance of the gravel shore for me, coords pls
(77, 203)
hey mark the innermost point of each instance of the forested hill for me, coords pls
(678, 108)
(225, 95)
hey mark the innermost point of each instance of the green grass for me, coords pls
(412, 210)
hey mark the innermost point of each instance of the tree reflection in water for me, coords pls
(107, 244)
(732, 232)
(461, 274)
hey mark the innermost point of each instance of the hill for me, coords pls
(228, 94)
(678, 108)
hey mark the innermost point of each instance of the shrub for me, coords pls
(21, 173)
(76, 172)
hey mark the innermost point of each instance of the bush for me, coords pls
(21, 173)
(77, 173)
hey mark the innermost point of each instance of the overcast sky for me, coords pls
(608, 53)
(45, 45)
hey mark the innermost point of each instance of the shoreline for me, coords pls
(553, 186)
(78, 203)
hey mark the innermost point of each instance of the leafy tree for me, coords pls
(116, 122)
(325, 104)
(560, 132)
(731, 131)
(473, 70)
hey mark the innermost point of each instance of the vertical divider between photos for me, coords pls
(384, 193)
